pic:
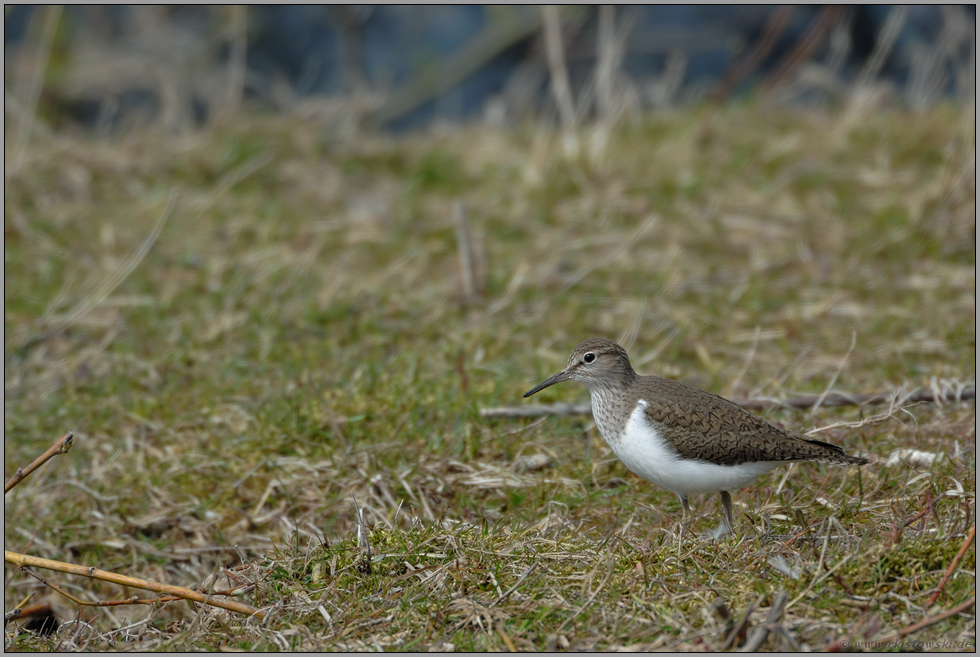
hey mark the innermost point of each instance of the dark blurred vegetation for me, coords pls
(401, 67)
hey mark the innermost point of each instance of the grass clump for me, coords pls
(296, 337)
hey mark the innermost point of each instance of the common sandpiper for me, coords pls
(679, 437)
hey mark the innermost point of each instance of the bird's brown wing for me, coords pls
(705, 426)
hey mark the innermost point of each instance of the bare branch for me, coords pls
(61, 446)
(24, 560)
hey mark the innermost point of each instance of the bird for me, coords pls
(681, 438)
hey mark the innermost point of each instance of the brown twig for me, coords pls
(755, 404)
(98, 603)
(40, 609)
(930, 506)
(61, 446)
(24, 560)
(795, 537)
(949, 571)
(40, 618)
(859, 399)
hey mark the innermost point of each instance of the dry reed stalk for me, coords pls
(469, 259)
(560, 86)
(606, 65)
(236, 61)
(31, 81)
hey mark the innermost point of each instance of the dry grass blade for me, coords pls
(819, 578)
(507, 29)
(520, 580)
(883, 44)
(363, 540)
(236, 63)
(606, 61)
(840, 368)
(31, 81)
(116, 278)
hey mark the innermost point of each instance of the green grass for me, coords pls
(296, 338)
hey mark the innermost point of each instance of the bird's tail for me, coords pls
(835, 454)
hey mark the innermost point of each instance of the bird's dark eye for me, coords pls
(589, 357)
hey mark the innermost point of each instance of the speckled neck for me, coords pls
(612, 404)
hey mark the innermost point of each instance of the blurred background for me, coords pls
(401, 67)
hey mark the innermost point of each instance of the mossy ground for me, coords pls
(295, 339)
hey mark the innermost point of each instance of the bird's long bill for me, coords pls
(558, 378)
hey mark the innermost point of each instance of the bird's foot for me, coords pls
(720, 532)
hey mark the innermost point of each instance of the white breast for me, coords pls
(643, 450)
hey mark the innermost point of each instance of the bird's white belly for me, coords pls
(647, 454)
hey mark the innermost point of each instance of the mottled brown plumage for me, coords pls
(683, 438)
(702, 425)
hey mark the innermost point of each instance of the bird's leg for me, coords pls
(726, 501)
(685, 520)
(687, 509)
